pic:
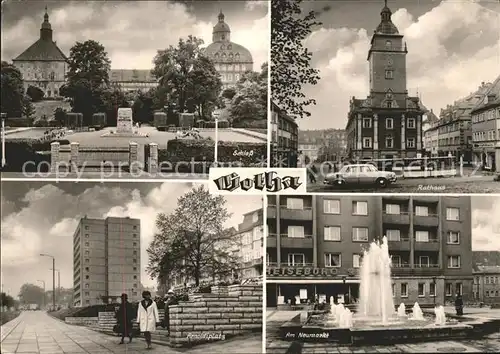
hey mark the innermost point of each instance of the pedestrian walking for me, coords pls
(170, 300)
(459, 305)
(124, 316)
(147, 317)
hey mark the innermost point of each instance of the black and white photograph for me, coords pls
(397, 95)
(382, 274)
(133, 89)
(130, 267)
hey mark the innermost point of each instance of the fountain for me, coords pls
(376, 320)
(440, 316)
(417, 313)
(402, 310)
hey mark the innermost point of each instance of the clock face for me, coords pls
(389, 61)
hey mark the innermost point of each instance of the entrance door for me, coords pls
(271, 295)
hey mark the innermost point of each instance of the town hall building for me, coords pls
(388, 123)
(43, 64)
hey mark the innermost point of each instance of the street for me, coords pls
(36, 332)
(466, 184)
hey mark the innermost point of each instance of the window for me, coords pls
(411, 123)
(295, 203)
(404, 289)
(87, 253)
(393, 235)
(410, 142)
(135, 269)
(360, 208)
(86, 227)
(394, 209)
(86, 235)
(295, 231)
(388, 104)
(296, 259)
(453, 261)
(389, 74)
(389, 123)
(421, 210)
(135, 276)
(432, 289)
(87, 277)
(360, 234)
(367, 143)
(393, 290)
(255, 217)
(135, 252)
(134, 260)
(86, 285)
(458, 288)
(389, 142)
(367, 122)
(134, 235)
(448, 289)
(135, 227)
(422, 236)
(356, 260)
(388, 45)
(86, 260)
(135, 244)
(87, 302)
(453, 237)
(332, 233)
(87, 293)
(452, 214)
(486, 280)
(331, 206)
(423, 261)
(421, 289)
(87, 269)
(396, 260)
(237, 77)
(86, 244)
(333, 260)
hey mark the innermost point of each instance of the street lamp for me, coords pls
(53, 278)
(43, 282)
(215, 115)
(58, 282)
(3, 117)
(435, 290)
(344, 288)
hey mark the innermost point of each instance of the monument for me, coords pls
(124, 121)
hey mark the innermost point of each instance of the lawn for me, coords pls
(8, 316)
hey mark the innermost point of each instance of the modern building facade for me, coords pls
(231, 60)
(486, 129)
(388, 123)
(284, 138)
(43, 64)
(315, 246)
(487, 284)
(106, 260)
(250, 244)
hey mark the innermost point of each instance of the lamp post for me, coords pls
(435, 290)
(58, 282)
(344, 288)
(53, 278)
(3, 117)
(43, 299)
(215, 115)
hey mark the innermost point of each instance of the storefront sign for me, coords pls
(484, 145)
(301, 272)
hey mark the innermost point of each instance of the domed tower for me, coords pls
(221, 32)
(46, 29)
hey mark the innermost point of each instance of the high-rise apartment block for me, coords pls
(106, 260)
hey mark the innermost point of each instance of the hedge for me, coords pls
(18, 153)
(250, 154)
(18, 122)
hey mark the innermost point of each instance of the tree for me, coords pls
(12, 90)
(192, 241)
(31, 294)
(7, 301)
(60, 116)
(290, 60)
(249, 104)
(229, 93)
(186, 77)
(109, 101)
(28, 110)
(35, 93)
(143, 107)
(87, 78)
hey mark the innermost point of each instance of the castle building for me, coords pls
(231, 59)
(43, 64)
(388, 123)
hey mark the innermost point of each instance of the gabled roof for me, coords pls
(494, 91)
(42, 50)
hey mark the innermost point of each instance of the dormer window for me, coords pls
(223, 37)
(389, 104)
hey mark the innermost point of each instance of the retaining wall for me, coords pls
(209, 317)
(82, 321)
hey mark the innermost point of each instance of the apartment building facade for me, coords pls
(315, 246)
(486, 287)
(106, 260)
(284, 138)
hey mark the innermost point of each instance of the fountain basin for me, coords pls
(366, 333)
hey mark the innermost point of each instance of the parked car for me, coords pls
(360, 174)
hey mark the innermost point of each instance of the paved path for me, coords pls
(36, 332)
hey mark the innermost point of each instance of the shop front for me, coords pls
(295, 287)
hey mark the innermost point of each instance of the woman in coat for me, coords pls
(124, 317)
(147, 316)
(459, 305)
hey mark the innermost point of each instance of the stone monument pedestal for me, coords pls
(124, 121)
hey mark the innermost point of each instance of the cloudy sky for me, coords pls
(453, 45)
(39, 217)
(485, 226)
(132, 31)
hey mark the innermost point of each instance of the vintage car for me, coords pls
(361, 174)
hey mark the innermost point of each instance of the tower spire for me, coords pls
(46, 29)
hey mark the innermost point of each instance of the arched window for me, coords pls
(52, 76)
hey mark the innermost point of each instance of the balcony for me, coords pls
(271, 241)
(403, 244)
(296, 242)
(417, 270)
(271, 211)
(431, 220)
(431, 245)
(285, 264)
(399, 219)
(296, 214)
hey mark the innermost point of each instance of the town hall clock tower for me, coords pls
(388, 123)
